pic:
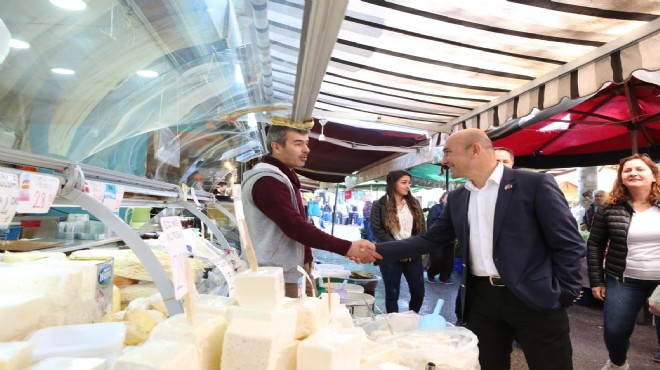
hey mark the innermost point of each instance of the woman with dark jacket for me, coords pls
(395, 216)
(629, 223)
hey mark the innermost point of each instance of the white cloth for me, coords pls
(481, 214)
(405, 222)
(643, 259)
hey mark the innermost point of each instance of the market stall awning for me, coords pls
(617, 121)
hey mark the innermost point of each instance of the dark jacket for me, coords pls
(588, 217)
(610, 226)
(378, 217)
(434, 213)
(537, 248)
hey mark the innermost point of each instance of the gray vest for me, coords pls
(271, 246)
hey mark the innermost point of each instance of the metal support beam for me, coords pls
(207, 221)
(73, 191)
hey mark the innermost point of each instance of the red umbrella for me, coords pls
(615, 122)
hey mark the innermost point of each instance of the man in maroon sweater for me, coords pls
(271, 187)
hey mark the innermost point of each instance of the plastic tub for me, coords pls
(12, 233)
(359, 304)
(103, 340)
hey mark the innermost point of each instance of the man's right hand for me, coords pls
(363, 251)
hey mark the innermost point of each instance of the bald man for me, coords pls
(522, 251)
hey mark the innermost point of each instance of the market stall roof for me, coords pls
(161, 88)
(617, 121)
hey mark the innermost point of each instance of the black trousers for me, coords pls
(498, 317)
(441, 261)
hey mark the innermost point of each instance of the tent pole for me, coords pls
(631, 99)
(334, 210)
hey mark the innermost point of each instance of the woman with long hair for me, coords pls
(629, 223)
(395, 216)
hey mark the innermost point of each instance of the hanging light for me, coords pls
(322, 122)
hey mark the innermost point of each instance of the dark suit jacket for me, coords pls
(537, 248)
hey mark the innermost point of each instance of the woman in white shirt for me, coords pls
(628, 222)
(395, 216)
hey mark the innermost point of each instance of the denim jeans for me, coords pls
(414, 273)
(623, 301)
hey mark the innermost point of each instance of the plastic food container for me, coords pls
(103, 340)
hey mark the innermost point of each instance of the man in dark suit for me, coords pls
(522, 250)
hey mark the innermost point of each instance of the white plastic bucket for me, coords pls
(359, 304)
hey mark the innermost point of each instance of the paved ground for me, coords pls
(589, 351)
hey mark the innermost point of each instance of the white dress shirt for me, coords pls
(481, 213)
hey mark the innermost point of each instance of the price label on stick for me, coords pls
(8, 197)
(227, 272)
(176, 247)
(36, 192)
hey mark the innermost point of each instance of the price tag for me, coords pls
(36, 192)
(8, 197)
(96, 189)
(176, 246)
(112, 196)
(226, 270)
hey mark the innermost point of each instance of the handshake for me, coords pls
(363, 251)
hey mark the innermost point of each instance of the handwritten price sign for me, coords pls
(8, 197)
(176, 246)
(36, 192)
(113, 196)
(96, 189)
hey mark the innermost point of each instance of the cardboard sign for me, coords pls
(8, 197)
(36, 192)
(176, 247)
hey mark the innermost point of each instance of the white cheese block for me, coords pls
(286, 359)
(15, 355)
(250, 345)
(70, 363)
(20, 314)
(339, 313)
(160, 355)
(283, 319)
(60, 285)
(206, 335)
(331, 350)
(313, 316)
(213, 304)
(263, 289)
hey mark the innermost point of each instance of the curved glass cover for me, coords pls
(152, 88)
